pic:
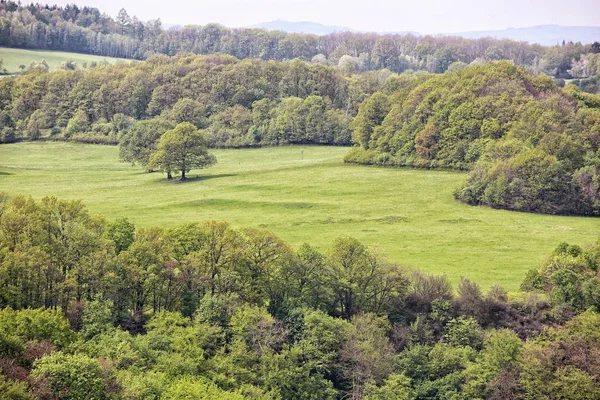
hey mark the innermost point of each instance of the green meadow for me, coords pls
(306, 194)
(13, 58)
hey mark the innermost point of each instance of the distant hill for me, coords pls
(547, 35)
(302, 27)
(313, 27)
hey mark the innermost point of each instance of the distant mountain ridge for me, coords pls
(546, 35)
(314, 28)
(302, 27)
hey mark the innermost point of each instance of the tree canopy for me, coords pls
(529, 145)
(91, 308)
(181, 149)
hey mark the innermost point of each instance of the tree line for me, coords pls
(239, 103)
(528, 144)
(87, 30)
(91, 308)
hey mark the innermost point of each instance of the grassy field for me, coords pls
(15, 57)
(410, 215)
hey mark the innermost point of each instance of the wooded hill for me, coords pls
(240, 103)
(530, 145)
(88, 30)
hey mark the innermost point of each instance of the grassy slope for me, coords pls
(15, 57)
(409, 214)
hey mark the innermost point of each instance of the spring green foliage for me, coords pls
(193, 389)
(312, 199)
(245, 103)
(181, 149)
(71, 376)
(529, 145)
(569, 276)
(14, 390)
(36, 325)
(210, 311)
(553, 368)
(122, 232)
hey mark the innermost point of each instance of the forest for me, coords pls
(240, 103)
(87, 30)
(99, 309)
(529, 145)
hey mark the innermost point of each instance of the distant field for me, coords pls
(15, 57)
(409, 214)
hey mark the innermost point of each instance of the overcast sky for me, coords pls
(424, 16)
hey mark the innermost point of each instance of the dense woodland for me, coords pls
(87, 30)
(529, 145)
(99, 309)
(239, 103)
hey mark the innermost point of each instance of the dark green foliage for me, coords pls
(529, 145)
(140, 141)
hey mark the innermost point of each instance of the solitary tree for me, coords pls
(181, 149)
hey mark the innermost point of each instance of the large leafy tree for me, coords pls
(140, 142)
(371, 114)
(182, 149)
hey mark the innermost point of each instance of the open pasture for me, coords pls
(306, 194)
(13, 58)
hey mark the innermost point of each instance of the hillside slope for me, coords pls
(530, 146)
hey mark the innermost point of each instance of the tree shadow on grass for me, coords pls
(6, 173)
(196, 178)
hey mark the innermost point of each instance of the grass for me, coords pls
(410, 215)
(14, 57)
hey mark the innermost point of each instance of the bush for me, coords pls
(71, 376)
(37, 325)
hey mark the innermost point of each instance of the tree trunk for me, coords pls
(169, 176)
(183, 175)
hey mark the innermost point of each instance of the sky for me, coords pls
(423, 16)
